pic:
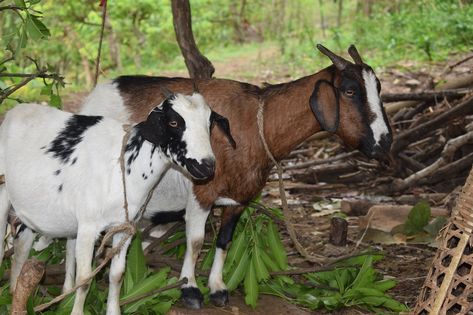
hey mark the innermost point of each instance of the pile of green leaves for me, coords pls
(356, 283)
(257, 254)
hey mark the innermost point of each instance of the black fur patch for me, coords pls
(219, 298)
(130, 83)
(225, 234)
(59, 189)
(156, 130)
(192, 297)
(168, 217)
(20, 229)
(70, 136)
(133, 148)
(57, 172)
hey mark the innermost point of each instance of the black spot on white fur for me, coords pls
(57, 172)
(59, 189)
(164, 217)
(70, 136)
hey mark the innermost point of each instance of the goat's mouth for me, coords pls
(378, 151)
(202, 170)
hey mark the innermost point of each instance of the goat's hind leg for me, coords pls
(84, 253)
(70, 264)
(22, 244)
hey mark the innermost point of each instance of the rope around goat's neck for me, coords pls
(289, 227)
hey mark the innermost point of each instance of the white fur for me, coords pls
(224, 201)
(215, 279)
(105, 100)
(378, 126)
(91, 199)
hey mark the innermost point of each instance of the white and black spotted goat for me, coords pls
(63, 175)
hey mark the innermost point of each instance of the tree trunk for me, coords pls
(197, 64)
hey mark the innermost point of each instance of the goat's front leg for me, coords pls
(195, 218)
(84, 253)
(218, 289)
(117, 269)
(70, 264)
(21, 245)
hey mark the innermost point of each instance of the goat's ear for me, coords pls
(152, 129)
(224, 125)
(324, 103)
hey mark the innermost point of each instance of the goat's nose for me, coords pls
(202, 170)
(209, 163)
(385, 142)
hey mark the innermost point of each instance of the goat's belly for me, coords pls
(47, 223)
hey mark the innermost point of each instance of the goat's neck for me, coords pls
(144, 166)
(288, 118)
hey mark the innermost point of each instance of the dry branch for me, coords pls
(29, 278)
(405, 138)
(450, 148)
(425, 95)
(452, 84)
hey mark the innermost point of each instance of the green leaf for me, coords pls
(384, 285)
(251, 287)
(148, 284)
(260, 267)
(208, 259)
(238, 273)
(162, 307)
(22, 39)
(418, 218)
(435, 226)
(270, 263)
(237, 248)
(47, 90)
(365, 275)
(20, 3)
(136, 262)
(276, 246)
(36, 28)
(55, 100)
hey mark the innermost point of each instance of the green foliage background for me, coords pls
(140, 38)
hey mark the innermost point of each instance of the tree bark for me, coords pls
(197, 64)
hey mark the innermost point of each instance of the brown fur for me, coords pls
(241, 173)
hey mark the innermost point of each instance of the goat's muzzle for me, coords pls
(202, 170)
(381, 149)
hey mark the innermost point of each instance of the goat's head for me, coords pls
(350, 106)
(180, 126)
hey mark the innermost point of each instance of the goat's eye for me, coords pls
(173, 123)
(349, 93)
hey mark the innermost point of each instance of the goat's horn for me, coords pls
(166, 92)
(355, 54)
(338, 61)
(195, 87)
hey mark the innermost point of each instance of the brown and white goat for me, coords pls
(342, 98)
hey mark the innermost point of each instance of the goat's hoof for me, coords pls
(192, 297)
(219, 298)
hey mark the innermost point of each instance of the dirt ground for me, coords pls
(407, 263)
